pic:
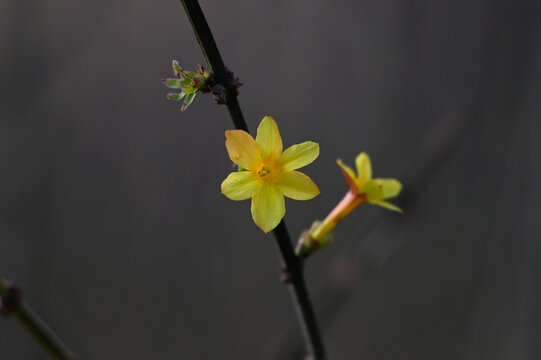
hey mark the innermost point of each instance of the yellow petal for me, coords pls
(387, 205)
(299, 155)
(268, 207)
(349, 174)
(296, 185)
(268, 138)
(240, 185)
(373, 191)
(364, 168)
(390, 187)
(242, 149)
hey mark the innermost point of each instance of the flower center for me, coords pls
(264, 171)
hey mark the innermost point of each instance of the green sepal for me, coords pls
(307, 244)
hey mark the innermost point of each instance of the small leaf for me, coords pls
(189, 90)
(186, 82)
(172, 83)
(175, 97)
(177, 69)
(187, 101)
(190, 74)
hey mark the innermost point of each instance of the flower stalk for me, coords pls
(343, 209)
(292, 263)
(362, 188)
(320, 234)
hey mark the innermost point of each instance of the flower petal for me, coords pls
(364, 168)
(268, 138)
(296, 185)
(390, 187)
(240, 185)
(349, 174)
(242, 149)
(387, 205)
(268, 207)
(373, 191)
(299, 155)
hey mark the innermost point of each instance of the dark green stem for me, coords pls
(13, 305)
(297, 287)
(290, 261)
(214, 60)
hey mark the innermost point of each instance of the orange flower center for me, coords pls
(264, 171)
(268, 171)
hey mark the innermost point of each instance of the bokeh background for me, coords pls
(111, 217)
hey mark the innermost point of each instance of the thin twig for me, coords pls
(291, 262)
(12, 304)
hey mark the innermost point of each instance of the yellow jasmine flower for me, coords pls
(266, 174)
(362, 188)
(371, 190)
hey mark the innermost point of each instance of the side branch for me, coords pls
(11, 303)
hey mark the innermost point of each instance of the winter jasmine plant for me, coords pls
(266, 174)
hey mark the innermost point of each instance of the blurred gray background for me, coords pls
(111, 217)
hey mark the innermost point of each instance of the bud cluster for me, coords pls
(190, 83)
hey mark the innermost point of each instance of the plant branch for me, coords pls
(214, 60)
(12, 304)
(297, 287)
(290, 261)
